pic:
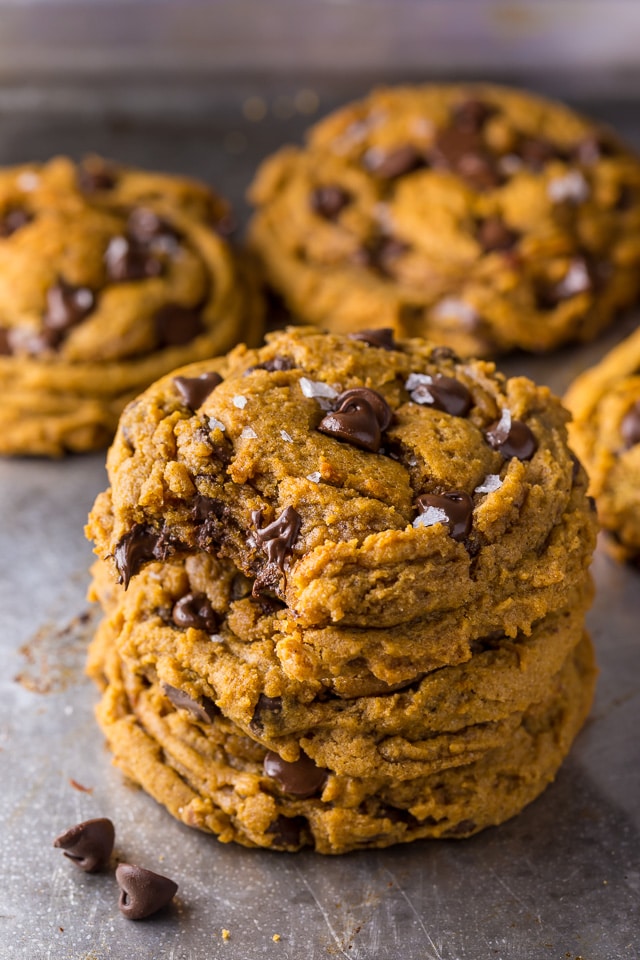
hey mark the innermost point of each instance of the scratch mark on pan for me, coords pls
(323, 912)
(515, 896)
(436, 955)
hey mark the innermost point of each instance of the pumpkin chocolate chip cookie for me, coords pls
(109, 278)
(475, 215)
(350, 568)
(605, 433)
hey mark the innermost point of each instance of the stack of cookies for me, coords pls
(109, 278)
(353, 574)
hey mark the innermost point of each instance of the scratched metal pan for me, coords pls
(562, 880)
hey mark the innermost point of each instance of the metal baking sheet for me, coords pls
(562, 880)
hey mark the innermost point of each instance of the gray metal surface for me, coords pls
(562, 880)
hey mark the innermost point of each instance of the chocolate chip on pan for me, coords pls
(142, 892)
(89, 844)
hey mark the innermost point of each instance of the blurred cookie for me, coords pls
(605, 433)
(109, 278)
(477, 216)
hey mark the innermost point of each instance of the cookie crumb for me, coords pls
(226, 935)
(276, 937)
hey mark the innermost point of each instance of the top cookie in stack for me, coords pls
(357, 574)
(109, 278)
(477, 216)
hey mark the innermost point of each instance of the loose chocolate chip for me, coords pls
(195, 610)
(536, 152)
(67, 305)
(142, 892)
(458, 507)
(471, 115)
(630, 426)
(390, 164)
(278, 537)
(203, 709)
(444, 393)
(287, 831)
(329, 201)
(89, 844)
(13, 220)
(302, 778)
(140, 544)
(360, 417)
(95, 175)
(493, 234)
(126, 260)
(5, 342)
(177, 325)
(512, 439)
(381, 337)
(146, 228)
(195, 390)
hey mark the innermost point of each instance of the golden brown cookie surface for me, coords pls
(478, 216)
(109, 277)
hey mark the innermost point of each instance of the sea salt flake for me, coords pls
(314, 477)
(216, 638)
(239, 401)
(286, 436)
(572, 188)
(216, 424)
(248, 434)
(417, 380)
(315, 389)
(490, 484)
(28, 181)
(431, 516)
(576, 279)
(503, 426)
(510, 164)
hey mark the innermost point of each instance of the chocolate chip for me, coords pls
(446, 394)
(271, 706)
(380, 253)
(142, 892)
(177, 325)
(581, 276)
(203, 709)
(390, 164)
(458, 507)
(512, 439)
(94, 175)
(67, 305)
(141, 544)
(462, 828)
(329, 201)
(381, 337)
(13, 219)
(479, 170)
(195, 610)
(444, 353)
(126, 260)
(287, 831)
(5, 342)
(278, 537)
(302, 778)
(89, 844)
(630, 426)
(274, 365)
(195, 390)
(536, 152)
(202, 508)
(471, 115)
(396, 814)
(360, 417)
(462, 150)
(493, 234)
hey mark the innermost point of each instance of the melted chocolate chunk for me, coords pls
(390, 164)
(471, 115)
(278, 537)
(462, 150)
(142, 892)
(89, 844)
(126, 260)
(302, 778)
(266, 708)
(203, 508)
(514, 440)
(288, 831)
(360, 417)
(203, 709)
(94, 176)
(195, 610)
(13, 219)
(493, 234)
(630, 426)
(329, 201)
(195, 390)
(67, 306)
(176, 325)
(446, 394)
(381, 337)
(141, 544)
(458, 507)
